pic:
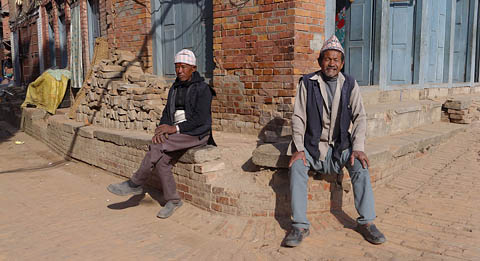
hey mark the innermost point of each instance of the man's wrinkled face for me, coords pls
(331, 63)
(184, 71)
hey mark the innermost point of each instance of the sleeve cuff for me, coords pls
(358, 147)
(298, 146)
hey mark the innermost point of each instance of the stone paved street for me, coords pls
(51, 209)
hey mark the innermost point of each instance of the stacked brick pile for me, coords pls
(121, 96)
(462, 111)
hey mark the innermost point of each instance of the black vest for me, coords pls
(314, 116)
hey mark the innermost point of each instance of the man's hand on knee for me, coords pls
(165, 129)
(361, 156)
(159, 138)
(297, 156)
(161, 133)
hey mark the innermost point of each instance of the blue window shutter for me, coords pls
(358, 41)
(400, 50)
(51, 45)
(436, 46)
(63, 41)
(182, 25)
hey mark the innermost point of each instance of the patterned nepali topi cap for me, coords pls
(332, 44)
(185, 56)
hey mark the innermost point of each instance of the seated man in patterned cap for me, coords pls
(186, 122)
(327, 102)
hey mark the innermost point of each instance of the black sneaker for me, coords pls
(125, 188)
(371, 233)
(295, 237)
(169, 208)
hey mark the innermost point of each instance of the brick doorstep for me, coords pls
(207, 182)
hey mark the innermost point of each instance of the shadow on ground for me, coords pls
(135, 200)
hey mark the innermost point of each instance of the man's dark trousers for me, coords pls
(158, 159)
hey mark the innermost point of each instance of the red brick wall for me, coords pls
(103, 16)
(260, 50)
(129, 28)
(5, 19)
(5, 28)
(309, 21)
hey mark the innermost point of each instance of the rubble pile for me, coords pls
(462, 111)
(121, 96)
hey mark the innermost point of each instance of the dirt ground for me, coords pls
(52, 209)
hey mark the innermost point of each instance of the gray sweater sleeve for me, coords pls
(359, 119)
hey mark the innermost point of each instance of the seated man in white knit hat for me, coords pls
(186, 122)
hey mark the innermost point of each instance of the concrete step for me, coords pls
(385, 119)
(380, 150)
(223, 179)
(388, 156)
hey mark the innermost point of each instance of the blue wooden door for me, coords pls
(182, 25)
(461, 41)
(400, 50)
(477, 53)
(436, 43)
(358, 41)
(51, 45)
(93, 14)
(63, 41)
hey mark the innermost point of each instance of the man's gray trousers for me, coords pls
(360, 178)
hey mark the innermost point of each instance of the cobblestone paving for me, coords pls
(51, 209)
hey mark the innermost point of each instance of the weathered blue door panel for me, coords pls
(63, 41)
(51, 45)
(357, 41)
(182, 25)
(477, 53)
(436, 46)
(461, 41)
(400, 50)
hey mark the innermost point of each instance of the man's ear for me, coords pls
(194, 68)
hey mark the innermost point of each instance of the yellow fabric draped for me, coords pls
(46, 92)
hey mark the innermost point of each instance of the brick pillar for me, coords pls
(56, 32)
(85, 45)
(261, 49)
(45, 50)
(129, 27)
(5, 24)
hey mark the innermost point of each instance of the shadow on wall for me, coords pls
(276, 130)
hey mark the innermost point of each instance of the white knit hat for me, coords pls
(186, 56)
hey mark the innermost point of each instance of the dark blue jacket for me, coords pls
(198, 101)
